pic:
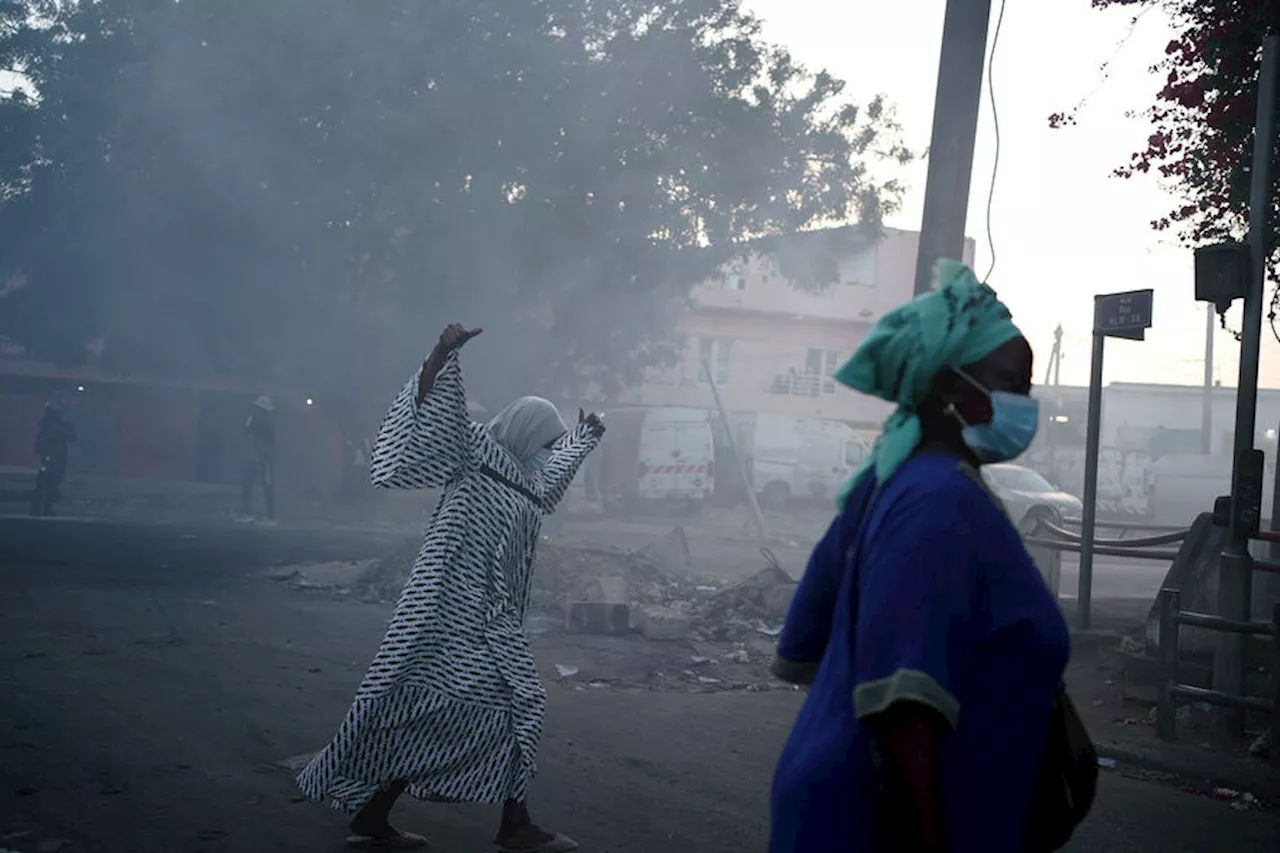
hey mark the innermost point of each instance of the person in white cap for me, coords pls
(260, 467)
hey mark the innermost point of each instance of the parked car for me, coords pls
(1029, 497)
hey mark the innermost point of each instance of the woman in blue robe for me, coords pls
(932, 647)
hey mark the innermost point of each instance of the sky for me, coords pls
(1063, 228)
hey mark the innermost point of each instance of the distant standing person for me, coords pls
(261, 465)
(53, 438)
(451, 708)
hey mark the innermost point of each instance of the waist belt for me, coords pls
(499, 477)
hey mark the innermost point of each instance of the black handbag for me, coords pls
(1066, 781)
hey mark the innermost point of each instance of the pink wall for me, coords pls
(773, 325)
(764, 347)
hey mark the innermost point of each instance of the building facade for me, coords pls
(772, 347)
(1159, 419)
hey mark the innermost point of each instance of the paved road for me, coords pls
(151, 683)
(1116, 578)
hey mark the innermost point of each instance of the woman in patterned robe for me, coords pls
(451, 708)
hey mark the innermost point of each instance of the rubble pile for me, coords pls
(564, 574)
(589, 605)
(561, 574)
(753, 608)
(650, 591)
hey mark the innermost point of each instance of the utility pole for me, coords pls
(1206, 416)
(756, 515)
(955, 125)
(1235, 581)
(1054, 370)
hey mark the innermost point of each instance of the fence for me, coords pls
(1171, 692)
(1070, 541)
(1054, 537)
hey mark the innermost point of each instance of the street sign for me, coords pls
(1115, 315)
(1124, 315)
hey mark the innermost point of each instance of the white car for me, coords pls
(1029, 497)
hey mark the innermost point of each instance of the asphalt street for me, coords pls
(152, 684)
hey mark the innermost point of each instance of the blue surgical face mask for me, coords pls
(1015, 419)
(539, 459)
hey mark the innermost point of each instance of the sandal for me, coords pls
(402, 841)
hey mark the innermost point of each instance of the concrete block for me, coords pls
(663, 623)
(598, 617)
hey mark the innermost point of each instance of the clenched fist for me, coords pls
(593, 422)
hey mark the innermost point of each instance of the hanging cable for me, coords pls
(995, 119)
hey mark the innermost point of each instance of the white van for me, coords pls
(791, 458)
(654, 455)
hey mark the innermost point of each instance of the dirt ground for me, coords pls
(156, 698)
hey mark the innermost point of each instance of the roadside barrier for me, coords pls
(1046, 534)
(1171, 692)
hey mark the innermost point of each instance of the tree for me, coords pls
(1203, 120)
(305, 191)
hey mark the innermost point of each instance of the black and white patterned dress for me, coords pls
(452, 703)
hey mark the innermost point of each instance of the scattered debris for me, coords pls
(670, 553)
(1263, 745)
(1131, 646)
(605, 595)
(755, 606)
(656, 622)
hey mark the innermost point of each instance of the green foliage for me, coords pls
(306, 191)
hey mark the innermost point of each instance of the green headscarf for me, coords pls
(959, 323)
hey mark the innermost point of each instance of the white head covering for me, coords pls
(264, 403)
(526, 425)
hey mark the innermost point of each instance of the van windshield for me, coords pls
(852, 454)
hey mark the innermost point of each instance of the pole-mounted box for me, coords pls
(1246, 503)
(1222, 274)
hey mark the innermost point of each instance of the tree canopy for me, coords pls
(1202, 136)
(306, 191)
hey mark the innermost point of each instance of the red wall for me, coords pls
(154, 433)
(19, 416)
(144, 432)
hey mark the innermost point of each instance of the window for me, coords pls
(736, 282)
(717, 354)
(822, 363)
(854, 453)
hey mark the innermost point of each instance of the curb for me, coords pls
(1259, 781)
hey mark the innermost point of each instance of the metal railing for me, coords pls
(1171, 692)
(1141, 548)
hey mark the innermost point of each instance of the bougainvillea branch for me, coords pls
(1202, 121)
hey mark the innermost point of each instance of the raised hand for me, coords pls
(451, 339)
(454, 337)
(593, 422)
